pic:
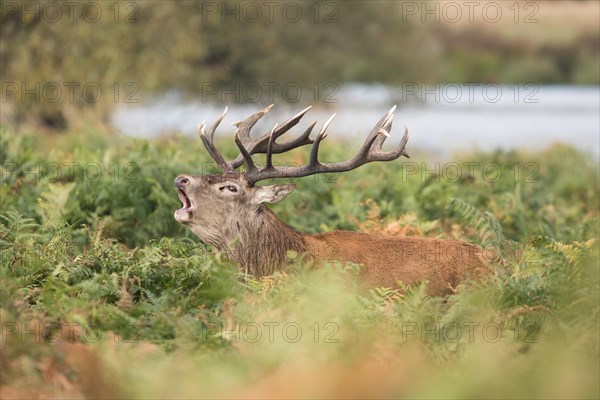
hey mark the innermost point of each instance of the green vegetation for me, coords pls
(104, 295)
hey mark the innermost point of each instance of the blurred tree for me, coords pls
(64, 63)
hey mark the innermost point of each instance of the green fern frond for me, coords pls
(485, 223)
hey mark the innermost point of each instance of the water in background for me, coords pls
(441, 119)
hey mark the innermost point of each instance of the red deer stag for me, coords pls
(228, 211)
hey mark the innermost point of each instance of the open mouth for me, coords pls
(185, 200)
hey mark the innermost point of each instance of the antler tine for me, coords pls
(246, 125)
(314, 152)
(208, 140)
(384, 131)
(372, 148)
(378, 134)
(377, 152)
(213, 128)
(290, 123)
(269, 161)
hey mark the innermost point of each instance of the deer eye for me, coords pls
(231, 188)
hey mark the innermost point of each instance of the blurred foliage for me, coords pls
(107, 53)
(104, 295)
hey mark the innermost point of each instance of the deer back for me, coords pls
(386, 261)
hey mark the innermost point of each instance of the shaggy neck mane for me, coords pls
(260, 244)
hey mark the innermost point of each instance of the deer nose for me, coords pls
(182, 181)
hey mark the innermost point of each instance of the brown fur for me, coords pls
(238, 222)
(390, 260)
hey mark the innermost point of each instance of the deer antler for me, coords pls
(371, 150)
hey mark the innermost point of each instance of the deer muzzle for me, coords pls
(183, 214)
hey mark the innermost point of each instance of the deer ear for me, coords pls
(273, 193)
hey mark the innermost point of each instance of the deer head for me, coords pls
(219, 208)
(228, 210)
